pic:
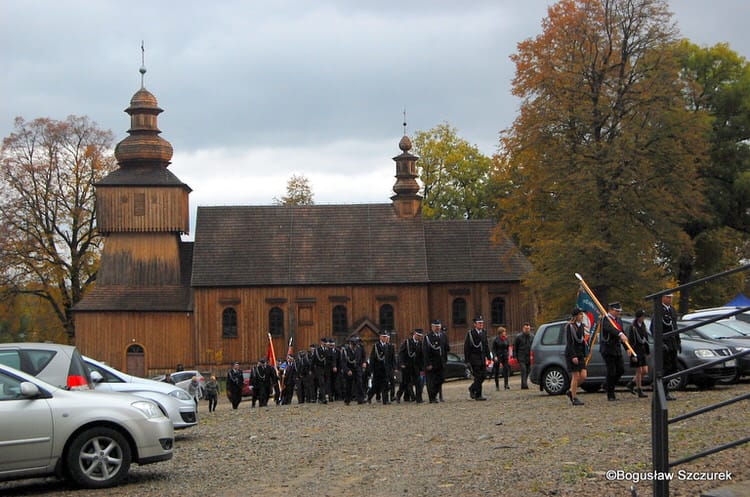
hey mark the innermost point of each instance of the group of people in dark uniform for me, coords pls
(325, 373)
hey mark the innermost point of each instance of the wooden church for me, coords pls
(295, 272)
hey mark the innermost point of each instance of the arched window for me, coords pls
(498, 311)
(340, 320)
(276, 322)
(458, 312)
(229, 323)
(386, 317)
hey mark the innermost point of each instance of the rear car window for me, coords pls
(552, 335)
(28, 361)
(11, 358)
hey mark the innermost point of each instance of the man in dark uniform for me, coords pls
(289, 380)
(235, 381)
(432, 352)
(610, 345)
(320, 370)
(446, 348)
(476, 353)
(334, 358)
(351, 372)
(381, 362)
(672, 345)
(304, 378)
(263, 377)
(522, 353)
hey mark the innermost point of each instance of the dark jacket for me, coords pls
(575, 345)
(500, 349)
(609, 339)
(476, 348)
(432, 352)
(382, 359)
(638, 338)
(522, 347)
(672, 344)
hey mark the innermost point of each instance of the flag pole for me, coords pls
(604, 313)
(273, 359)
(593, 341)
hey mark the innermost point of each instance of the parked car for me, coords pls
(60, 365)
(247, 389)
(717, 311)
(549, 370)
(89, 437)
(171, 399)
(182, 378)
(721, 332)
(455, 367)
(512, 362)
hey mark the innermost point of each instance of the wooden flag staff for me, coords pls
(605, 313)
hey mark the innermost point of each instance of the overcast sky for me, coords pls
(254, 92)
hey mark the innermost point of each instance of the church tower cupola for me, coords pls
(407, 202)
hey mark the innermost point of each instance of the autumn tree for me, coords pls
(298, 192)
(717, 82)
(454, 174)
(600, 166)
(47, 206)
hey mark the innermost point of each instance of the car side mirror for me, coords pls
(29, 390)
(96, 377)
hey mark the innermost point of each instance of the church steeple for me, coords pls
(407, 202)
(143, 146)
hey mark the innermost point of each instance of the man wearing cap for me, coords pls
(522, 353)
(432, 351)
(288, 380)
(611, 342)
(319, 359)
(351, 372)
(411, 362)
(446, 348)
(672, 345)
(382, 361)
(304, 378)
(263, 378)
(234, 385)
(476, 354)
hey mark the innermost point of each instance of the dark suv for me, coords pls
(550, 372)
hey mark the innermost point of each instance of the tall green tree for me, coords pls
(601, 164)
(298, 192)
(51, 247)
(717, 82)
(455, 175)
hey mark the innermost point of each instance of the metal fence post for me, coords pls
(659, 411)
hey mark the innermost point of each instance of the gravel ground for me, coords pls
(518, 443)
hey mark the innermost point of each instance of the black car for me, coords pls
(735, 340)
(456, 368)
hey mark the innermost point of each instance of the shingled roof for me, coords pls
(344, 244)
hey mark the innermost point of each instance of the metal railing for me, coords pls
(660, 420)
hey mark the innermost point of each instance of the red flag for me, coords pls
(271, 354)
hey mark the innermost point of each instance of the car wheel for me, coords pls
(678, 383)
(555, 381)
(98, 457)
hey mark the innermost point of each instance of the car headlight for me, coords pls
(181, 394)
(705, 353)
(741, 349)
(149, 409)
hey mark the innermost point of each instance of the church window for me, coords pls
(340, 320)
(498, 311)
(229, 323)
(386, 317)
(458, 312)
(276, 322)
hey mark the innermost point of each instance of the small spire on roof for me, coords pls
(142, 70)
(404, 121)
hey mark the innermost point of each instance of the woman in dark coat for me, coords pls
(575, 353)
(638, 337)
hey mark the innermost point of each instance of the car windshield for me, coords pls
(741, 327)
(714, 331)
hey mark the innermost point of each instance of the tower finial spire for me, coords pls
(404, 121)
(142, 70)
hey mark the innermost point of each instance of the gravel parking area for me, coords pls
(518, 443)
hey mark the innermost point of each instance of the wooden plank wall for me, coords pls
(166, 338)
(164, 209)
